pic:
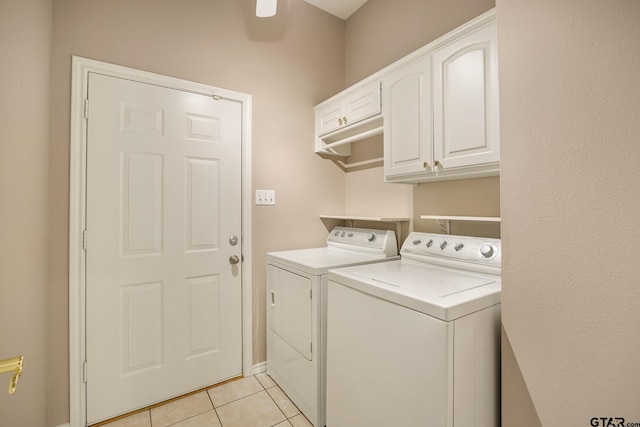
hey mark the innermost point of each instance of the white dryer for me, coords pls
(416, 342)
(296, 310)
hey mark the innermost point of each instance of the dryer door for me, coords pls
(289, 305)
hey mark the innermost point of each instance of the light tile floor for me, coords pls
(254, 401)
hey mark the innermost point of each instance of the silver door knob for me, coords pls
(233, 240)
(233, 259)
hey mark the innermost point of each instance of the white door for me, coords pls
(163, 307)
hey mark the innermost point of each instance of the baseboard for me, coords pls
(260, 368)
(65, 425)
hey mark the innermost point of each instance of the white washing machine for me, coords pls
(416, 342)
(296, 310)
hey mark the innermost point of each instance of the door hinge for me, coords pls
(311, 347)
(84, 372)
(310, 293)
(84, 240)
(86, 108)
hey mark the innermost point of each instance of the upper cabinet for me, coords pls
(439, 109)
(347, 116)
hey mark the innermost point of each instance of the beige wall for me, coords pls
(473, 197)
(25, 40)
(570, 191)
(377, 35)
(288, 64)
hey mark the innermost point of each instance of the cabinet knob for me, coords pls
(340, 122)
(426, 165)
(438, 164)
(344, 119)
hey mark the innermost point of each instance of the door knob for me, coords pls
(233, 240)
(233, 259)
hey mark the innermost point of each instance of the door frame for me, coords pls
(81, 67)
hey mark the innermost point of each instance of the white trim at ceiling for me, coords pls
(343, 9)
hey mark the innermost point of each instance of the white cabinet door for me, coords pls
(345, 110)
(327, 117)
(406, 109)
(465, 100)
(362, 104)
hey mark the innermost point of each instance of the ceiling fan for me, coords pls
(266, 8)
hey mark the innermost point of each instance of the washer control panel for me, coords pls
(477, 250)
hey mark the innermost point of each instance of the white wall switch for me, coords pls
(265, 197)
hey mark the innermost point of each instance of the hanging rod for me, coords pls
(358, 137)
(12, 365)
(346, 166)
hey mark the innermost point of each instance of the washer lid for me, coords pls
(438, 283)
(441, 292)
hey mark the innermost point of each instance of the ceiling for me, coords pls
(341, 8)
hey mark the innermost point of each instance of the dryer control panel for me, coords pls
(364, 240)
(480, 253)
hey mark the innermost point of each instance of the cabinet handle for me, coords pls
(340, 122)
(426, 165)
(438, 164)
(344, 119)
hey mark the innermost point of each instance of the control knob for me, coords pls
(443, 245)
(371, 237)
(487, 250)
(429, 243)
(417, 242)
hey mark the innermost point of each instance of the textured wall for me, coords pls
(25, 40)
(570, 198)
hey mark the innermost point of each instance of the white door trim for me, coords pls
(81, 67)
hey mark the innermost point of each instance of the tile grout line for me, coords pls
(214, 406)
(272, 399)
(277, 406)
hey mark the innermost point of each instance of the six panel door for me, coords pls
(163, 198)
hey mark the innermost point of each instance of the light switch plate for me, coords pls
(265, 197)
